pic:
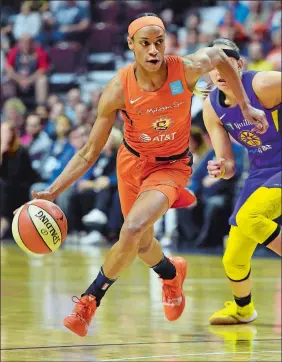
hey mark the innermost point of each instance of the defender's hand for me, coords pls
(216, 168)
(256, 117)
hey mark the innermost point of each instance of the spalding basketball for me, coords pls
(39, 227)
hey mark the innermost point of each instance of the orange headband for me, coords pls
(144, 21)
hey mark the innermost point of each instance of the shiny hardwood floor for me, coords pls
(130, 326)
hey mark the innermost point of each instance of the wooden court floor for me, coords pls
(130, 326)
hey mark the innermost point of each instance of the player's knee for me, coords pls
(132, 229)
(236, 269)
(248, 223)
(228, 263)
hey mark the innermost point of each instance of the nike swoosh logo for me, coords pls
(132, 101)
(222, 116)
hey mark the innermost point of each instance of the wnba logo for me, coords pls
(144, 137)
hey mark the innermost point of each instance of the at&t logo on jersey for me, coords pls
(160, 138)
(144, 137)
(162, 124)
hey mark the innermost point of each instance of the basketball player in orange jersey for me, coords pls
(154, 163)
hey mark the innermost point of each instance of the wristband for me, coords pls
(223, 171)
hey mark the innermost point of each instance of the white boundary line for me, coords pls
(182, 355)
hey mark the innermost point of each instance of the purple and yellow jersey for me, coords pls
(264, 150)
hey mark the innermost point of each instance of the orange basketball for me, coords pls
(39, 227)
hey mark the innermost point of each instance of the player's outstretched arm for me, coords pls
(224, 166)
(267, 86)
(111, 100)
(205, 60)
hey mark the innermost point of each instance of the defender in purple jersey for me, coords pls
(254, 220)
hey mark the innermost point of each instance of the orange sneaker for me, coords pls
(173, 295)
(78, 321)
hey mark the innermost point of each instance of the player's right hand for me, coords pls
(44, 195)
(216, 168)
(257, 117)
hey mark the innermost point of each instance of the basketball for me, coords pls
(39, 227)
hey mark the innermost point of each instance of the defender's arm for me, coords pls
(225, 165)
(267, 86)
(205, 60)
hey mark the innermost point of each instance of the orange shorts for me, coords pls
(138, 174)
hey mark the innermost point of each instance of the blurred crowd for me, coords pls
(44, 124)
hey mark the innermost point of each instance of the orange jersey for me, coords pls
(157, 122)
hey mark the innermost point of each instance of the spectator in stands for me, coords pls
(58, 147)
(165, 228)
(188, 35)
(274, 56)
(14, 112)
(73, 99)
(26, 22)
(205, 37)
(76, 139)
(190, 219)
(198, 145)
(41, 5)
(2, 61)
(92, 115)
(54, 5)
(229, 21)
(217, 197)
(43, 113)
(81, 113)
(6, 27)
(52, 100)
(115, 219)
(57, 110)
(256, 57)
(73, 20)
(239, 10)
(172, 46)
(95, 96)
(191, 44)
(226, 31)
(275, 20)
(258, 15)
(192, 22)
(258, 34)
(37, 141)
(167, 15)
(26, 66)
(16, 175)
(69, 22)
(93, 197)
